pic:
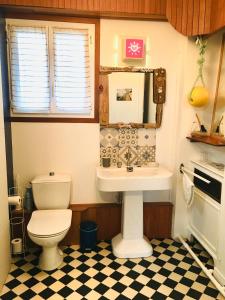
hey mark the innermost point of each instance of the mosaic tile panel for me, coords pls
(111, 152)
(146, 137)
(126, 155)
(115, 143)
(109, 137)
(128, 137)
(146, 154)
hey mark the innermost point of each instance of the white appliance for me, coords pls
(51, 221)
(207, 215)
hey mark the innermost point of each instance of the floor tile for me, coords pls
(170, 273)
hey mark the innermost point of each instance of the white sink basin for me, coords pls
(141, 179)
(131, 242)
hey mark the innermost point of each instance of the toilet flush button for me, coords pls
(51, 174)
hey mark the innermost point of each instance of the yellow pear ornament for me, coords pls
(199, 96)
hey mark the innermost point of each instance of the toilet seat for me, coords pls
(47, 236)
(49, 223)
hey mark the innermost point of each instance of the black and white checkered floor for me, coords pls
(170, 273)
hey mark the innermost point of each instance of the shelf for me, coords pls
(210, 140)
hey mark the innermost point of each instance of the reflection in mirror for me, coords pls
(219, 104)
(132, 96)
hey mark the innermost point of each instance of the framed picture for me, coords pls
(124, 94)
(134, 48)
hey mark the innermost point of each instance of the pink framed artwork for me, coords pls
(134, 48)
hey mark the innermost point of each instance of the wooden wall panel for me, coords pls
(179, 7)
(190, 14)
(208, 8)
(217, 15)
(196, 11)
(146, 9)
(157, 220)
(189, 17)
(196, 17)
(201, 25)
(184, 16)
(173, 13)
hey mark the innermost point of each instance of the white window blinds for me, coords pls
(29, 68)
(72, 70)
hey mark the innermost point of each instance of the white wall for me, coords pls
(74, 148)
(64, 148)
(166, 48)
(4, 216)
(164, 51)
(186, 151)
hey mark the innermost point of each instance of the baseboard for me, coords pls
(219, 276)
(157, 220)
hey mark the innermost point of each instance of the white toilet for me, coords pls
(50, 223)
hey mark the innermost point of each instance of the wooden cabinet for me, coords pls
(196, 17)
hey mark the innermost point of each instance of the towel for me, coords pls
(188, 188)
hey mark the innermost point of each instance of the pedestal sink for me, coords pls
(131, 242)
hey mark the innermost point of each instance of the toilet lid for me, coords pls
(49, 222)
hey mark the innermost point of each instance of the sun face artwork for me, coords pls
(134, 48)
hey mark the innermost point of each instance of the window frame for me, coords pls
(58, 117)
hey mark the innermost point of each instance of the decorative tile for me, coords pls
(114, 144)
(146, 137)
(146, 154)
(128, 137)
(111, 152)
(165, 276)
(109, 137)
(125, 155)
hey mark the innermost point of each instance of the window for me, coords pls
(52, 69)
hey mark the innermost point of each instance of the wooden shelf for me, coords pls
(210, 140)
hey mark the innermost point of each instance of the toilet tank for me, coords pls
(51, 191)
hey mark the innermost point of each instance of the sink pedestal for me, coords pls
(131, 242)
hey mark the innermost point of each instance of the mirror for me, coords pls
(131, 96)
(218, 118)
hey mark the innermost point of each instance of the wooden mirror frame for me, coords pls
(159, 95)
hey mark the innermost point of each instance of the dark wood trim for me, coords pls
(157, 220)
(49, 17)
(94, 21)
(54, 120)
(99, 13)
